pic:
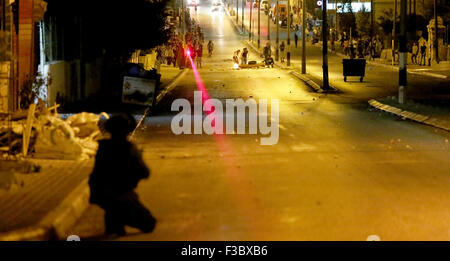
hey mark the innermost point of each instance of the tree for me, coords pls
(115, 28)
(363, 22)
(347, 18)
(386, 23)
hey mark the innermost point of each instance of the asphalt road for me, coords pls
(339, 171)
(380, 81)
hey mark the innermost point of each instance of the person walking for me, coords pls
(282, 54)
(296, 39)
(199, 52)
(118, 169)
(210, 48)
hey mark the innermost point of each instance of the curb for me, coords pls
(427, 120)
(236, 26)
(56, 223)
(307, 81)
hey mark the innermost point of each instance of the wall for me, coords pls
(4, 86)
(65, 80)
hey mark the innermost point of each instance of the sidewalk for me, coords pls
(436, 116)
(441, 70)
(433, 116)
(39, 193)
(45, 203)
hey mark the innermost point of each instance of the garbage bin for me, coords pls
(354, 67)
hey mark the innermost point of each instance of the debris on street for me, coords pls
(41, 132)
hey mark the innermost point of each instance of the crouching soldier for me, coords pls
(117, 171)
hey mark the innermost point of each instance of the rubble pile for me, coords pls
(45, 134)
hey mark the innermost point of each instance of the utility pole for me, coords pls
(242, 20)
(268, 22)
(325, 45)
(303, 36)
(335, 20)
(250, 38)
(182, 19)
(436, 47)
(298, 16)
(371, 24)
(259, 23)
(393, 32)
(237, 12)
(288, 53)
(277, 16)
(403, 52)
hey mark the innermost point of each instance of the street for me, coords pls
(340, 170)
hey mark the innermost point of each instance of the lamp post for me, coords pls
(303, 37)
(250, 38)
(288, 53)
(182, 19)
(393, 32)
(268, 22)
(325, 45)
(371, 23)
(259, 23)
(277, 16)
(436, 47)
(237, 11)
(242, 20)
(403, 52)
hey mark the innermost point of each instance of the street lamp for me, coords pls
(277, 16)
(268, 21)
(242, 20)
(288, 55)
(237, 11)
(259, 25)
(325, 46)
(250, 38)
(403, 52)
(393, 32)
(303, 36)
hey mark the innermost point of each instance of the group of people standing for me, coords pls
(176, 51)
(241, 56)
(361, 46)
(422, 50)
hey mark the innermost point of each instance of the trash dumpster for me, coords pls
(354, 67)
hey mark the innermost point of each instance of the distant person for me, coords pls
(118, 169)
(199, 51)
(282, 54)
(414, 53)
(296, 39)
(423, 51)
(210, 48)
(244, 56)
(360, 48)
(267, 51)
(236, 56)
